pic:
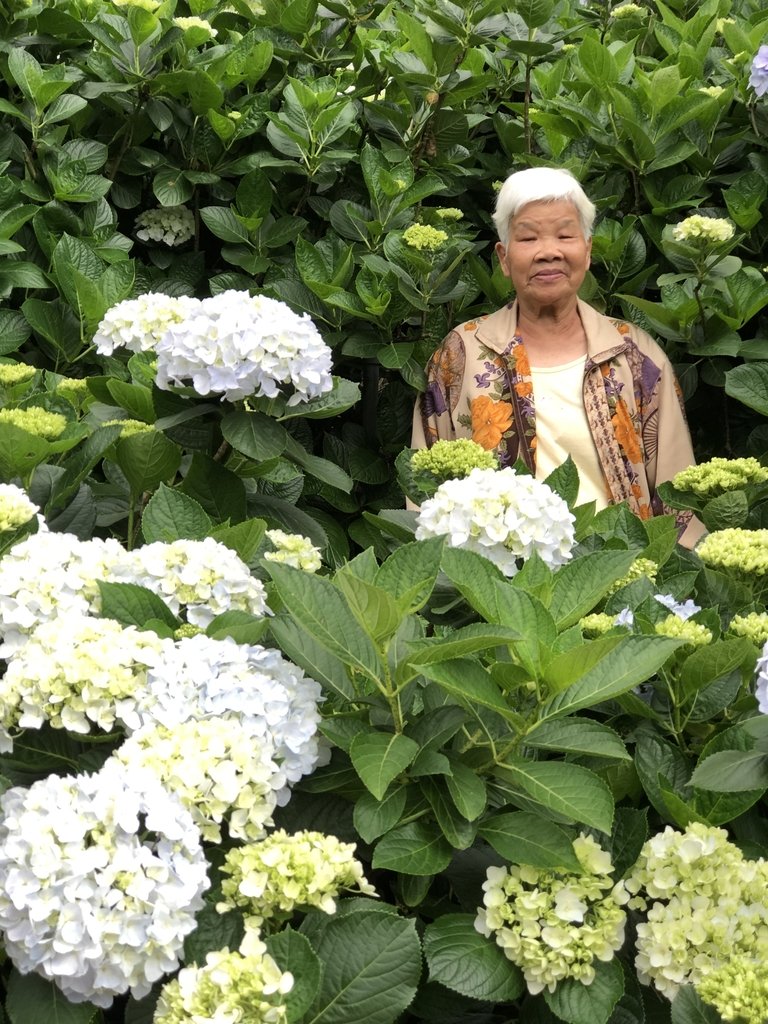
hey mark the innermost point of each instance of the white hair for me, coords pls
(540, 184)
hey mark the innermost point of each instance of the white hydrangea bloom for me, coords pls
(139, 324)
(101, 877)
(502, 515)
(203, 577)
(199, 676)
(244, 985)
(706, 229)
(220, 768)
(240, 345)
(761, 688)
(172, 225)
(271, 878)
(76, 672)
(293, 549)
(47, 574)
(683, 610)
(15, 507)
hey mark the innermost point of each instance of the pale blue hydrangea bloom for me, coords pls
(758, 78)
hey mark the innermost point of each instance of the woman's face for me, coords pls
(547, 255)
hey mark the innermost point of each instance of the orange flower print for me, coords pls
(625, 432)
(522, 366)
(489, 421)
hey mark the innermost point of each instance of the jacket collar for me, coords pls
(603, 338)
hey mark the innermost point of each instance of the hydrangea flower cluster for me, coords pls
(172, 225)
(198, 676)
(196, 23)
(15, 373)
(694, 633)
(240, 345)
(715, 91)
(448, 213)
(703, 903)
(738, 990)
(129, 427)
(703, 229)
(628, 10)
(46, 575)
(293, 549)
(682, 609)
(203, 577)
(100, 880)
(639, 568)
(307, 869)
(15, 508)
(424, 238)
(501, 515)
(753, 626)
(218, 767)
(37, 421)
(244, 985)
(720, 475)
(745, 551)
(139, 324)
(758, 77)
(450, 460)
(599, 623)
(76, 672)
(761, 687)
(555, 924)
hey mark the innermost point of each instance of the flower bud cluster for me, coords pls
(243, 986)
(703, 229)
(554, 924)
(273, 877)
(48, 425)
(720, 475)
(195, 23)
(639, 568)
(703, 904)
(597, 623)
(744, 551)
(694, 633)
(15, 373)
(15, 507)
(738, 990)
(293, 549)
(450, 460)
(753, 626)
(172, 225)
(501, 515)
(424, 237)
(129, 427)
(628, 10)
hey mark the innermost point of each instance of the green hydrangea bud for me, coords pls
(738, 990)
(720, 475)
(639, 568)
(753, 626)
(450, 460)
(744, 551)
(694, 633)
(596, 624)
(424, 238)
(48, 425)
(15, 373)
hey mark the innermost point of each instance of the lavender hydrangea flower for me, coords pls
(758, 78)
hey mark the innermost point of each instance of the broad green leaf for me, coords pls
(371, 969)
(568, 666)
(567, 789)
(454, 826)
(31, 999)
(318, 606)
(374, 608)
(133, 605)
(301, 648)
(147, 459)
(134, 398)
(465, 961)
(21, 451)
(409, 574)
(712, 662)
(467, 790)
(577, 1003)
(732, 771)
(578, 736)
(465, 640)
(689, 1008)
(374, 817)
(380, 757)
(343, 395)
(524, 838)
(636, 659)
(630, 831)
(80, 463)
(170, 515)
(213, 931)
(292, 952)
(471, 683)
(243, 627)
(220, 491)
(222, 222)
(243, 538)
(254, 434)
(579, 585)
(474, 577)
(413, 849)
(657, 758)
(748, 384)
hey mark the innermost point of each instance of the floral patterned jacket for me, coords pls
(479, 386)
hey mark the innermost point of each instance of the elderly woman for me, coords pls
(547, 376)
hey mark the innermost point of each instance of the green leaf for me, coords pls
(371, 969)
(577, 1003)
(464, 640)
(243, 627)
(566, 789)
(170, 515)
(147, 459)
(257, 436)
(317, 662)
(213, 931)
(578, 736)
(243, 538)
(326, 471)
(373, 607)
(564, 480)
(467, 790)
(580, 584)
(380, 757)
(636, 659)
(21, 451)
(732, 771)
(465, 961)
(474, 578)
(343, 395)
(222, 222)
(413, 849)
(292, 952)
(31, 999)
(748, 384)
(409, 574)
(689, 1008)
(715, 661)
(471, 683)
(133, 605)
(457, 830)
(524, 838)
(726, 511)
(374, 817)
(318, 606)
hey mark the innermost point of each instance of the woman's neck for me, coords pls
(551, 336)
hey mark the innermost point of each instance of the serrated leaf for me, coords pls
(170, 515)
(579, 585)
(566, 789)
(578, 736)
(413, 849)
(524, 838)
(465, 961)
(31, 999)
(380, 757)
(213, 931)
(409, 573)
(732, 771)
(374, 817)
(255, 435)
(133, 605)
(147, 459)
(292, 952)
(577, 1003)
(472, 684)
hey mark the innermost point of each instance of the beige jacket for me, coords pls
(479, 386)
